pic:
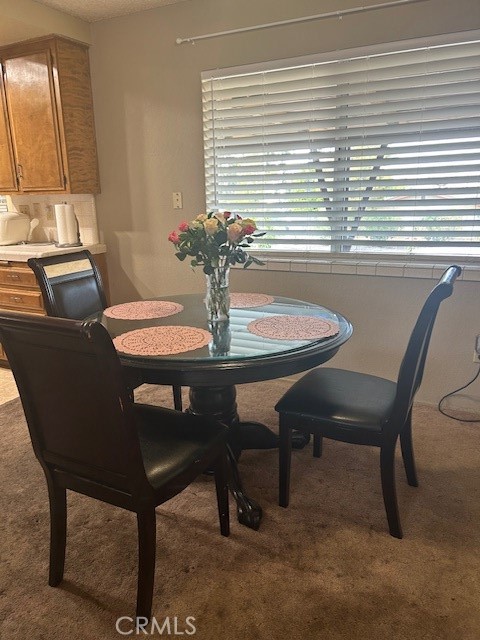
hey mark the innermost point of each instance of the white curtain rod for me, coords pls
(319, 16)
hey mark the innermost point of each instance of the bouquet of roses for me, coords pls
(216, 241)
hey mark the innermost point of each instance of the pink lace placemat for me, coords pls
(249, 300)
(143, 310)
(293, 327)
(161, 341)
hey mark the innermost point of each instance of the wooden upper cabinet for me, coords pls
(8, 177)
(50, 116)
(34, 123)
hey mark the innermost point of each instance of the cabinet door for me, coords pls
(8, 178)
(34, 122)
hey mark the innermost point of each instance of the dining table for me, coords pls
(170, 341)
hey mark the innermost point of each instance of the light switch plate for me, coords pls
(177, 200)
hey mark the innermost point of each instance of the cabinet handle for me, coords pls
(16, 299)
(13, 276)
(20, 171)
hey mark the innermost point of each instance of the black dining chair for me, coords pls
(89, 436)
(363, 409)
(72, 287)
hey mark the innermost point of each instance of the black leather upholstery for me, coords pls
(182, 441)
(341, 397)
(89, 436)
(363, 409)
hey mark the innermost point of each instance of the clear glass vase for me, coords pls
(221, 338)
(217, 300)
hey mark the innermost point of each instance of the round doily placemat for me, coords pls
(161, 341)
(249, 300)
(293, 327)
(143, 310)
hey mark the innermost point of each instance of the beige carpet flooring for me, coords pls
(323, 568)
(8, 388)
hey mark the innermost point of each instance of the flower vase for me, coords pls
(217, 300)
(221, 338)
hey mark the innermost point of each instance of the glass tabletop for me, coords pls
(233, 341)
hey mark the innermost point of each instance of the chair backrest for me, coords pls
(71, 285)
(76, 403)
(413, 363)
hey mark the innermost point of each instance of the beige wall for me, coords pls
(149, 128)
(23, 19)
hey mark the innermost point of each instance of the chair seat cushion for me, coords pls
(171, 441)
(341, 398)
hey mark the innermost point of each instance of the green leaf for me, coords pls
(181, 256)
(208, 270)
(220, 237)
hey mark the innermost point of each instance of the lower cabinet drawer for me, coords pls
(18, 300)
(17, 277)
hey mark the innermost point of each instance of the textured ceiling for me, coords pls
(93, 10)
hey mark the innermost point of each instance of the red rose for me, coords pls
(183, 226)
(248, 229)
(173, 237)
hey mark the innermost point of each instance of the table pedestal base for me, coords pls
(220, 403)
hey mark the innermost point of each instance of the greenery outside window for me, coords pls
(359, 152)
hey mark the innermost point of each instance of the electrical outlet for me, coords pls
(49, 211)
(476, 351)
(37, 209)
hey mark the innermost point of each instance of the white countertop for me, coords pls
(22, 252)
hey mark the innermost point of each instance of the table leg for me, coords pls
(220, 403)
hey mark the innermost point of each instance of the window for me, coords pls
(366, 153)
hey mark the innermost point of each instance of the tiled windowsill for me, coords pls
(370, 267)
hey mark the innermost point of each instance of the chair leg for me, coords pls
(406, 444)
(147, 532)
(221, 486)
(285, 456)
(317, 445)
(177, 397)
(58, 531)
(387, 470)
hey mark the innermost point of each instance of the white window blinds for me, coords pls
(3, 204)
(361, 154)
